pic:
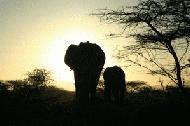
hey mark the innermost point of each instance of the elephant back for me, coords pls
(119, 73)
(114, 75)
(91, 56)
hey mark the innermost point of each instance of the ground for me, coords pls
(52, 106)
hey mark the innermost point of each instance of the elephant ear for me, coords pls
(71, 56)
(108, 74)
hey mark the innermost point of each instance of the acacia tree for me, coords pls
(39, 78)
(158, 26)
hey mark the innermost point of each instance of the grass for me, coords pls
(52, 106)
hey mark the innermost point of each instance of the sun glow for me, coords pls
(53, 58)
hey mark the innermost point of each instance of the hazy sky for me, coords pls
(36, 33)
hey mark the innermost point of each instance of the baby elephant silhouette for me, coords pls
(87, 61)
(115, 87)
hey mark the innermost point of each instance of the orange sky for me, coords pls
(35, 34)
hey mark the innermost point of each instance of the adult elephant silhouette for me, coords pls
(115, 86)
(87, 61)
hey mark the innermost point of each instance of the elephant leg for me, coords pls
(122, 91)
(77, 85)
(84, 91)
(93, 93)
(80, 87)
(107, 93)
(84, 96)
(93, 86)
(116, 95)
(77, 91)
(121, 96)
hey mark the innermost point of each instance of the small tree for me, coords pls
(158, 26)
(39, 78)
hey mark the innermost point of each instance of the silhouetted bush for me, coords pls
(39, 78)
(135, 86)
(4, 87)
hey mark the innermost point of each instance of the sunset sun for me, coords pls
(53, 58)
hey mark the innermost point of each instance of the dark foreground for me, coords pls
(55, 107)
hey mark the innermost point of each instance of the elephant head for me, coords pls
(87, 61)
(114, 81)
